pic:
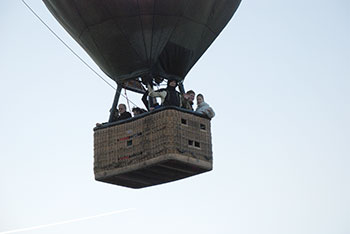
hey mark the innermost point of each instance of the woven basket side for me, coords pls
(154, 135)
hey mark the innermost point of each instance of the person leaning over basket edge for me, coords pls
(203, 108)
(123, 114)
(120, 114)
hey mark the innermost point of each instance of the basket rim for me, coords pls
(163, 108)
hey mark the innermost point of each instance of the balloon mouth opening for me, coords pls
(139, 84)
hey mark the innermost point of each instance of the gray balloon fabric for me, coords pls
(136, 38)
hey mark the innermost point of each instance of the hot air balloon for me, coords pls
(133, 39)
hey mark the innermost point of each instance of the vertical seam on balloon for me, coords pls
(206, 26)
(160, 37)
(151, 49)
(143, 35)
(127, 40)
(87, 28)
(178, 20)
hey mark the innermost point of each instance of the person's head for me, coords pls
(136, 111)
(190, 95)
(172, 83)
(200, 99)
(121, 108)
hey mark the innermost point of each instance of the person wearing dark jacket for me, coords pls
(187, 100)
(168, 96)
(122, 113)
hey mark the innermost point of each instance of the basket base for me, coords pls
(155, 171)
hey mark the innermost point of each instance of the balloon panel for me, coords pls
(132, 38)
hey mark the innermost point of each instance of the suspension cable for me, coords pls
(71, 50)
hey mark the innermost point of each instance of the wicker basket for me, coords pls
(157, 147)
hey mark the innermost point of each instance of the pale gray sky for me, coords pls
(280, 136)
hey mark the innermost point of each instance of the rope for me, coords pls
(71, 50)
(127, 100)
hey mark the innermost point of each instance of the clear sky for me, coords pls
(278, 80)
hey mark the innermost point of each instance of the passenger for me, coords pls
(203, 107)
(137, 111)
(119, 114)
(123, 114)
(168, 96)
(187, 100)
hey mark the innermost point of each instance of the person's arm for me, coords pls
(152, 93)
(210, 112)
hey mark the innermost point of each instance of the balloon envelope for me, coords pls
(133, 38)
